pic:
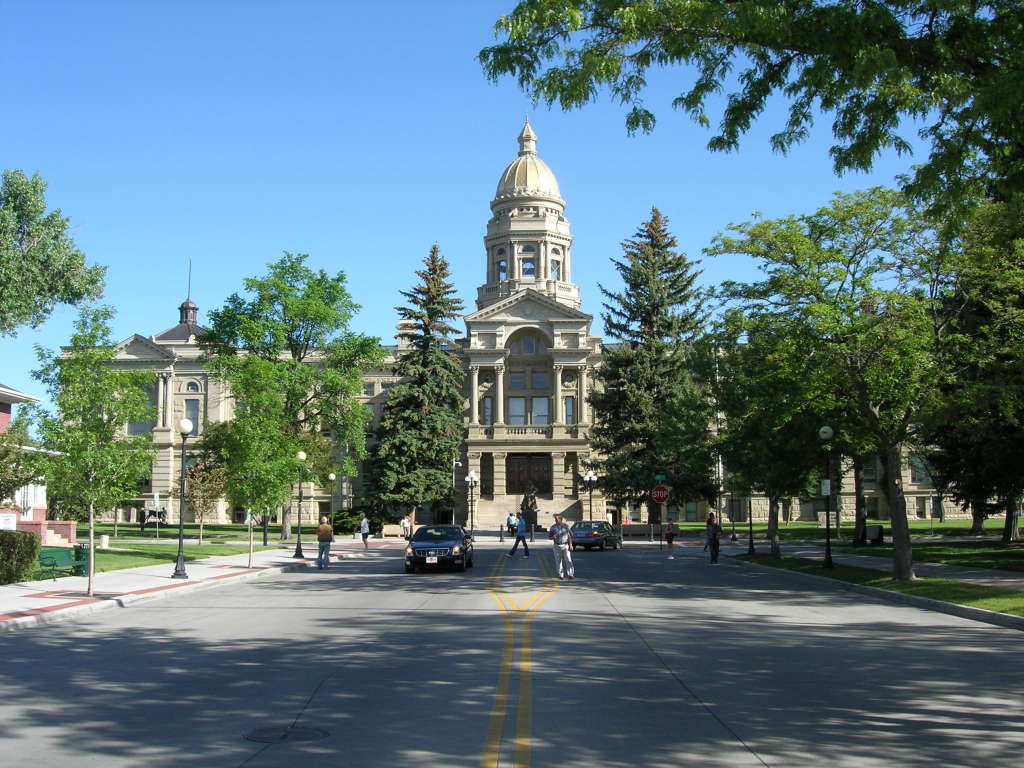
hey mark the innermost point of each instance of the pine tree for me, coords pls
(420, 428)
(651, 414)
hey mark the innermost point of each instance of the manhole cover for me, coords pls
(274, 735)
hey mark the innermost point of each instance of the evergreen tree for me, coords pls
(651, 414)
(421, 424)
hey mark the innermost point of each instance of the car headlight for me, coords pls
(456, 549)
(408, 551)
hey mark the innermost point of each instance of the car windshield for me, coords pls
(582, 525)
(437, 533)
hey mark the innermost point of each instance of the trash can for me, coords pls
(81, 560)
(104, 541)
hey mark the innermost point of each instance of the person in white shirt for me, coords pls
(561, 537)
(364, 529)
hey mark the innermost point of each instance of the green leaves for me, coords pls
(39, 264)
(651, 414)
(954, 66)
(95, 462)
(420, 431)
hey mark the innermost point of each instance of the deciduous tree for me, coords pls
(864, 277)
(293, 364)
(954, 66)
(40, 267)
(96, 463)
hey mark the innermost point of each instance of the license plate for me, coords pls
(431, 561)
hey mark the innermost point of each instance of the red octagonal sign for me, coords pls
(659, 494)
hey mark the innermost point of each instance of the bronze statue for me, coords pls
(529, 505)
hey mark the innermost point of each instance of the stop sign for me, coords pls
(659, 494)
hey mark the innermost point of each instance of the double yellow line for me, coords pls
(522, 663)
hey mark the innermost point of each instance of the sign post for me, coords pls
(659, 495)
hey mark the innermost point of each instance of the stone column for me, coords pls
(584, 411)
(559, 416)
(160, 384)
(557, 475)
(499, 396)
(499, 478)
(474, 387)
(168, 391)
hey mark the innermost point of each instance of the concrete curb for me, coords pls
(961, 611)
(58, 614)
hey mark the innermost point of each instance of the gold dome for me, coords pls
(528, 175)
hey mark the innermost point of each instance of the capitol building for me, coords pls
(528, 356)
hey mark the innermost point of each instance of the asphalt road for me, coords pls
(641, 661)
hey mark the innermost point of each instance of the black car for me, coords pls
(439, 546)
(590, 534)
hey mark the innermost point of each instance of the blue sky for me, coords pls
(359, 133)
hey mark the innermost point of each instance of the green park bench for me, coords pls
(74, 560)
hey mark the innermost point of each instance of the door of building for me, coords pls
(526, 469)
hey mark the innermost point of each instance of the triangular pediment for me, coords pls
(138, 347)
(527, 305)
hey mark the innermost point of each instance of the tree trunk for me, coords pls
(978, 516)
(1011, 531)
(787, 510)
(860, 507)
(902, 554)
(92, 547)
(286, 522)
(201, 516)
(773, 525)
(266, 527)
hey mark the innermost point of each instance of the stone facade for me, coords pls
(529, 358)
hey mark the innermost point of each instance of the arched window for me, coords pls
(192, 387)
(501, 269)
(556, 269)
(528, 344)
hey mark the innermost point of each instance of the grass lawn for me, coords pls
(211, 533)
(975, 554)
(155, 554)
(976, 596)
(809, 530)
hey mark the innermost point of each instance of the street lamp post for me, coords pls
(750, 525)
(590, 482)
(471, 483)
(301, 457)
(826, 433)
(331, 477)
(455, 463)
(184, 429)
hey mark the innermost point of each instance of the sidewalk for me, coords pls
(31, 603)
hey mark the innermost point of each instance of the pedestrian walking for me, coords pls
(406, 527)
(561, 538)
(510, 524)
(670, 537)
(364, 529)
(714, 531)
(520, 534)
(324, 537)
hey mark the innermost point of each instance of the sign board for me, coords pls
(8, 522)
(826, 487)
(659, 494)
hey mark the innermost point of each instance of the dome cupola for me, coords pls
(527, 175)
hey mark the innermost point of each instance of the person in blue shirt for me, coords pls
(520, 536)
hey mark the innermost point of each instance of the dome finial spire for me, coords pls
(527, 139)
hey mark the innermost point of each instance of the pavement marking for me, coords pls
(510, 611)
